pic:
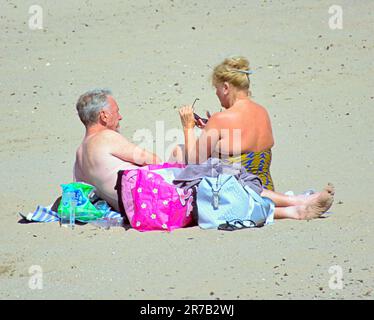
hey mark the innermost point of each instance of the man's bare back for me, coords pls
(95, 164)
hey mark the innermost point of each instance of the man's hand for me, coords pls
(156, 159)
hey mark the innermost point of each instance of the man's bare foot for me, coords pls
(316, 204)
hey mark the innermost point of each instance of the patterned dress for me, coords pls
(257, 163)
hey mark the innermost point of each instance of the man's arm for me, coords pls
(123, 149)
(77, 173)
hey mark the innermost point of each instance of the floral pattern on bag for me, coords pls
(152, 203)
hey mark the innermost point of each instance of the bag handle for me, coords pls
(219, 183)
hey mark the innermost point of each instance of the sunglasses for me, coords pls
(196, 116)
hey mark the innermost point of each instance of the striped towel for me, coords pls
(45, 214)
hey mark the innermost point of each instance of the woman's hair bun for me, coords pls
(229, 71)
(239, 63)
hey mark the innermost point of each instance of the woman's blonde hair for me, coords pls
(233, 70)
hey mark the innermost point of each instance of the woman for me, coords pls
(242, 134)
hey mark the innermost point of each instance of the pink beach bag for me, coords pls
(152, 201)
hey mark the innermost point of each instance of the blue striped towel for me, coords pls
(45, 214)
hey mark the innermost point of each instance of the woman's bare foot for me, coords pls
(303, 199)
(316, 204)
(330, 188)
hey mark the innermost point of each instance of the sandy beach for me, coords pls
(316, 83)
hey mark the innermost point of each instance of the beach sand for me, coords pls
(315, 82)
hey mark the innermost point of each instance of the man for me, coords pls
(104, 151)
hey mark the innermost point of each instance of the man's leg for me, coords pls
(177, 155)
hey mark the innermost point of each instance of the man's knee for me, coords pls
(177, 154)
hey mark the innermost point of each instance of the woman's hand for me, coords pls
(200, 123)
(187, 118)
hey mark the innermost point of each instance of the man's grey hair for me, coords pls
(91, 103)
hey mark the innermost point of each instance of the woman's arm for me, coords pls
(199, 149)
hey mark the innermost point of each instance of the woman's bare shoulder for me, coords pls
(220, 119)
(256, 106)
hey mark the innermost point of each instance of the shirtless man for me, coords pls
(104, 151)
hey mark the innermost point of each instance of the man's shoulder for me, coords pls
(109, 134)
(107, 138)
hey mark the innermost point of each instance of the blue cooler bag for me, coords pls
(222, 200)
